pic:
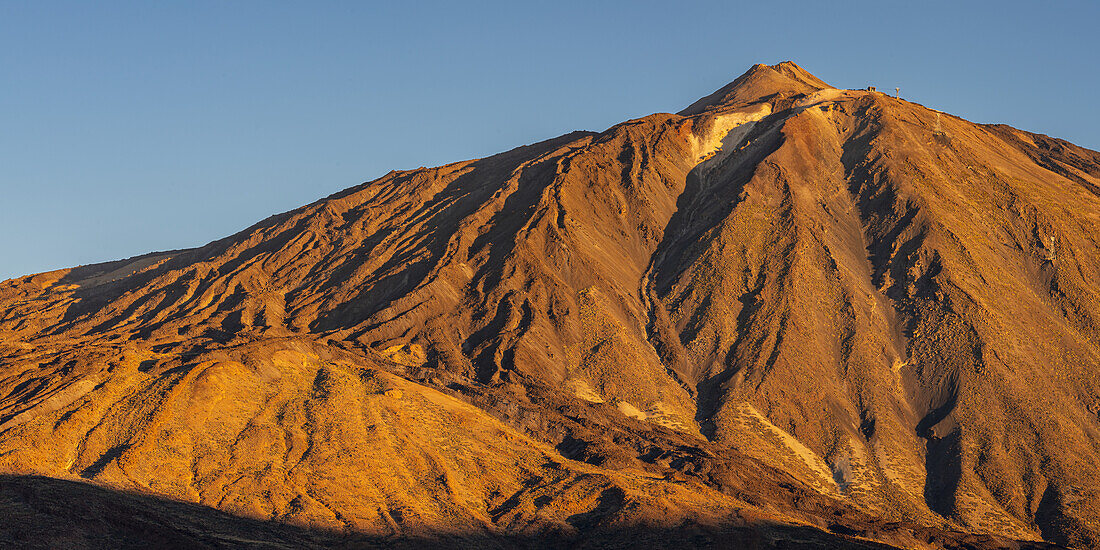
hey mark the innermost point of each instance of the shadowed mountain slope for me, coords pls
(789, 304)
(52, 513)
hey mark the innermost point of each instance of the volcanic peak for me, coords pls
(795, 305)
(759, 82)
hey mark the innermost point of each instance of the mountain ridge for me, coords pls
(825, 286)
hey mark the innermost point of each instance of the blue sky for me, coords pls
(132, 127)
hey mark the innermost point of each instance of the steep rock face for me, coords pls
(883, 310)
(896, 297)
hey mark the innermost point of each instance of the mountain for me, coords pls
(790, 314)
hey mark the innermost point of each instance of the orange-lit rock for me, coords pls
(831, 311)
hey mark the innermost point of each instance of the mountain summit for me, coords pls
(760, 82)
(789, 314)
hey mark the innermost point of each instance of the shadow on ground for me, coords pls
(41, 512)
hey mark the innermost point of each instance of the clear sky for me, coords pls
(130, 127)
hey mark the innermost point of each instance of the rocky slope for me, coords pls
(787, 305)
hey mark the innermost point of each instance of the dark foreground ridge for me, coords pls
(50, 513)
